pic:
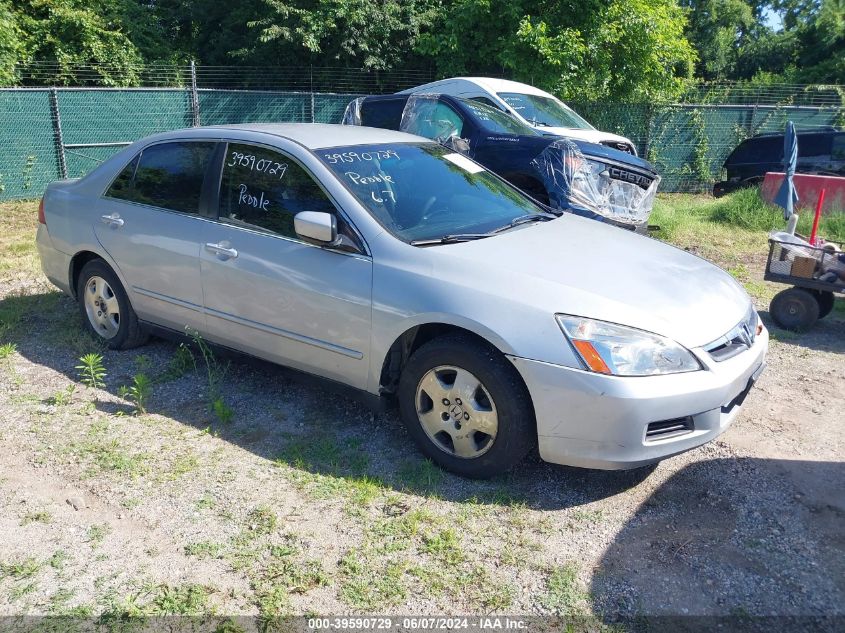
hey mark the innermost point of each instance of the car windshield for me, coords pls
(424, 191)
(539, 110)
(496, 121)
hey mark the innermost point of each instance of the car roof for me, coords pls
(310, 135)
(490, 84)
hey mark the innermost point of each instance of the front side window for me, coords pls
(431, 118)
(166, 175)
(263, 190)
(425, 191)
(540, 110)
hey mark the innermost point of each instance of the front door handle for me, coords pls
(222, 249)
(112, 220)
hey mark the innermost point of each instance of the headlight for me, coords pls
(622, 351)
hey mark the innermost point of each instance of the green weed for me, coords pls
(138, 393)
(91, 371)
(38, 516)
(7, 349)
(20, 570)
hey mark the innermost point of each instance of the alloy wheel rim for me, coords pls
(102, 307)
(456, 412)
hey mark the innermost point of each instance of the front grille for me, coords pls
(620, 145)
(669, 428)
(739, 339)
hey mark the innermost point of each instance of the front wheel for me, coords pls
(466, 407)
(105, 308)
(795, 309)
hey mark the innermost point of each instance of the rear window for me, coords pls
(385, 114)
(167, 175)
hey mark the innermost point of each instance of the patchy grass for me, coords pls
(741, 219)
(37, 516)
(564, 595)
(205, 549)
(20, 570)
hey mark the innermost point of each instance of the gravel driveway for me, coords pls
(292, 499)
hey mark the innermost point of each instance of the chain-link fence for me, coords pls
(49, 133)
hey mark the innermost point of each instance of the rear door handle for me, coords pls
(222, 249)
(112, 220)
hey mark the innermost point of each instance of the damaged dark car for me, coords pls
(584, 178)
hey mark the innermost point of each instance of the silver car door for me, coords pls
(149, 222)
(268, 292)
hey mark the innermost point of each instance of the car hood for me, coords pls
(577, 266)
(592, 136)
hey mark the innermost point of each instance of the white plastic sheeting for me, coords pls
(425, 115)
(575, 181)
(352, 114)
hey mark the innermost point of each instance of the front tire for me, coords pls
(466, 407)
(105, 307)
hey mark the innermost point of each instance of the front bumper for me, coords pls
(597, 421)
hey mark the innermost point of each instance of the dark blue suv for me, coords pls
(568, 174)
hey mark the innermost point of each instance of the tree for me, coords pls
(360, 33)
(70, 34)
(717, 29)
(10, 44)
(593, 49)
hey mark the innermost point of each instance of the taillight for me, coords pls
(41, 217)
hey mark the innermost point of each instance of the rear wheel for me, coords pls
(105, 308)
(466, 407)
(795, 309)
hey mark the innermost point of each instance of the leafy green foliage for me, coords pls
(139, 392)
(91, 371)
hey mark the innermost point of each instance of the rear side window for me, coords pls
(384, 114)
(759, 150)
(812, 145)
(167, 175)
(262, 189)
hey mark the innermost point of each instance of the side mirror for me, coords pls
(316, 226)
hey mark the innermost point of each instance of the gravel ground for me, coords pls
(304, 502)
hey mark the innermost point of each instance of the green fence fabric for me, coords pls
(687, 142)
(28, 159)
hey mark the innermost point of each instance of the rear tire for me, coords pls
(795, 309)
(466, 407)
(105, 307)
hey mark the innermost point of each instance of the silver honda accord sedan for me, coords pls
(406, 271)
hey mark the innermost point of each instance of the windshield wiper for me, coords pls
(451, 239)
(524, 219)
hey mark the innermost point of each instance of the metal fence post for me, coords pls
(311, 78)
(649, 114)
(57, 131)
(195, 98)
